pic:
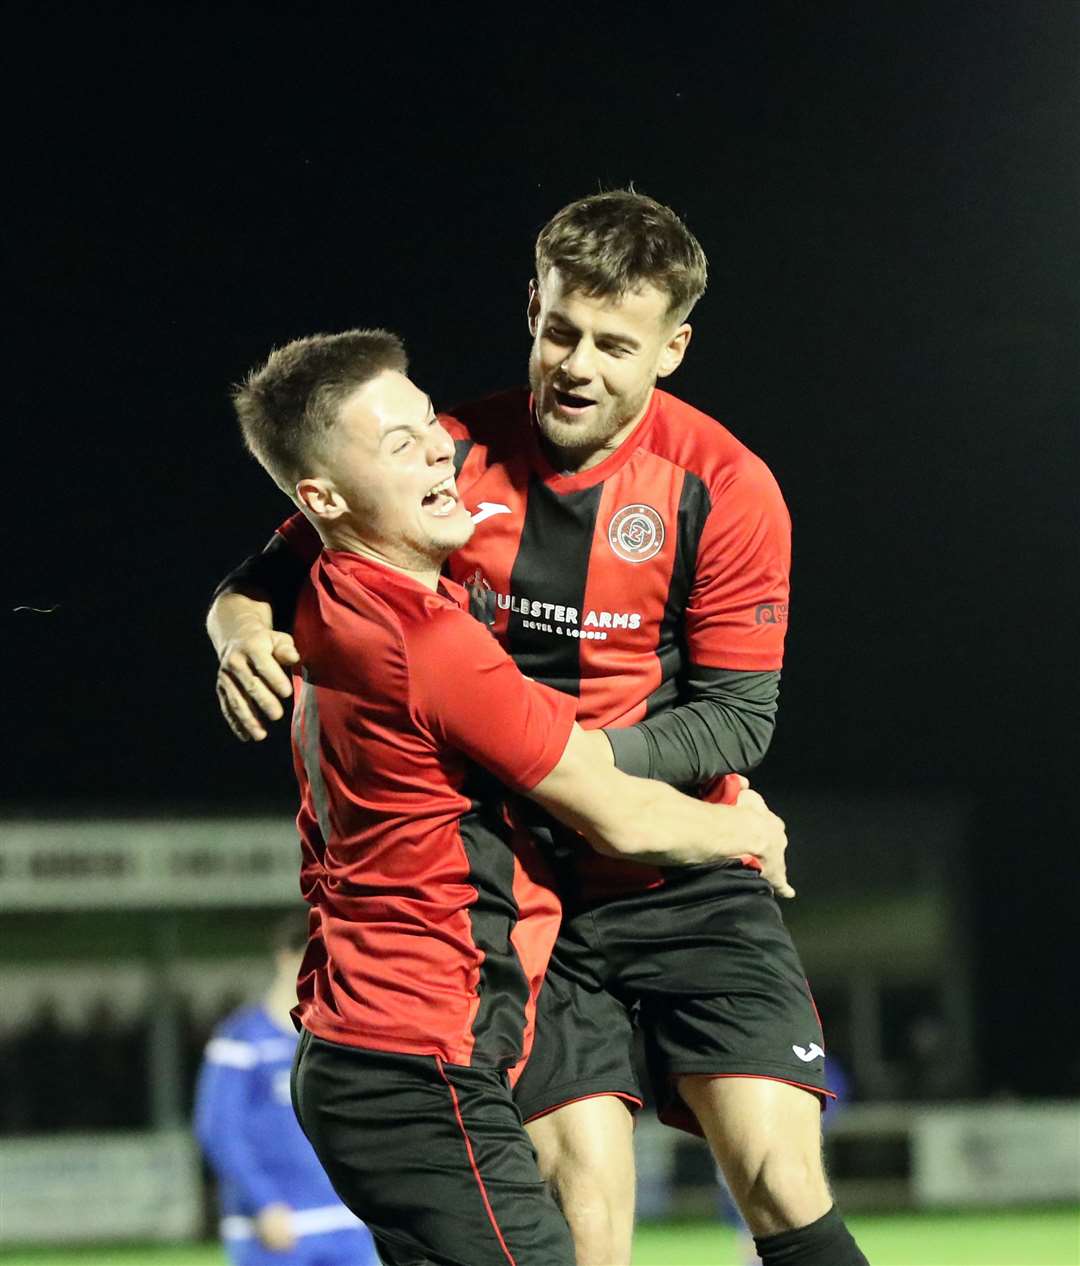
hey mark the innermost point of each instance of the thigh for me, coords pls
(719, 984)
(586, 1150)
(766, 1137)
(432, 1156)
(593, 1136)
(755, 1117)
(583, 1043)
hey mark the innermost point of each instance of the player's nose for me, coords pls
(580, 365)
(440, 445)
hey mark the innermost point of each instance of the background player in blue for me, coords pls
(277, 1205)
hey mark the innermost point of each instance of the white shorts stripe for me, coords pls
(328, 1217)
(231, 1053)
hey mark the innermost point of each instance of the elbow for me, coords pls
(755, 752)
(756, 742)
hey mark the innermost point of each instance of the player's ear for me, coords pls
(320, 498)
(674, 350)
(533, 310)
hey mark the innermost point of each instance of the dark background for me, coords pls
(888, 197)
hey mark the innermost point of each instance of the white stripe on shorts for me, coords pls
(327, 1217)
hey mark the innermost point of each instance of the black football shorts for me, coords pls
(432, 1156)
(704, 966)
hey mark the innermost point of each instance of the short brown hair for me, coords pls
(287, 406)
(612, 243)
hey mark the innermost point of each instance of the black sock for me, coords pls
(826, 1242)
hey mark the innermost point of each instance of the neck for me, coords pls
(424, 570)
(574, 461)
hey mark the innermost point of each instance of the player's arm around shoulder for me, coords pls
(254, 657)
(639, 819)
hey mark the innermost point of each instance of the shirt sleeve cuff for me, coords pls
(631, 750)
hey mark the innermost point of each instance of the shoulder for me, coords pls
(235, 1041)
(707, 450)
(439, 628)
(341, 611)
(450, 661)
(495, 421)
(245, 1022)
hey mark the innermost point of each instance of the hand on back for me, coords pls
(253, 678)
(766, 836)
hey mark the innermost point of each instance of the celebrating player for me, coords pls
(433, 918)
(631, 553)
(278, 1208)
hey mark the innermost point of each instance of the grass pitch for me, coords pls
(1030, 1237)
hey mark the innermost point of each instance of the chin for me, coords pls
(570, 435)
(452, 535)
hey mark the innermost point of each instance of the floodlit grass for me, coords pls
(1034, 1237)
(1044, 1237)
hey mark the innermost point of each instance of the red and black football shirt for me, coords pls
(432, 920)
(609, 584)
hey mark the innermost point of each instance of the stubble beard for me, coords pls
(442, 539)
(419, 549)
(575, 442)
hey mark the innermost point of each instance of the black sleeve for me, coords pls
(723, 727)
(275, 574)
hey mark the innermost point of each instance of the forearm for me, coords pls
(219, 1121)
(639, 819)
(653, 824)
(724, 727)
(233, 1160)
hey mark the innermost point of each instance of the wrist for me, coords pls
(234, 616)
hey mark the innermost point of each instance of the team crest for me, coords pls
(636, 533)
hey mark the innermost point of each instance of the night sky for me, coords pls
(888, 196)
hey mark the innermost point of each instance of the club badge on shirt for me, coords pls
(636, 533)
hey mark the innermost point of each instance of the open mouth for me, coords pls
(568, 402)
(441, 499)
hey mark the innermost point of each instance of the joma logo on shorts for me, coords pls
(771, 613)
(807, 1053)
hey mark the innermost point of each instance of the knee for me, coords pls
(590, 1167)
(599, 1227)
